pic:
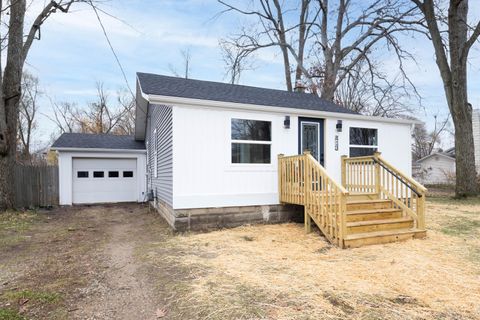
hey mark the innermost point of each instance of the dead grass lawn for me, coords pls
(279, 272)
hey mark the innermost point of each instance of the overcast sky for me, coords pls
(73, 54)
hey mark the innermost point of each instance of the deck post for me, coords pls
(308, 221)
(421, 212)
(307, 187)
(376, 156)
(343, 220)
(280, 174)
(344, 171)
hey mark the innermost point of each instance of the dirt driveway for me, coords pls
(79, 263)
(123, 262)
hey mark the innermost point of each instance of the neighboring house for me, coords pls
(437, 168)
(206, 152)
(476, 137)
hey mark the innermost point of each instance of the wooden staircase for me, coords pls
(375, 204)
(374, 221)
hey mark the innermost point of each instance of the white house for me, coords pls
(476, 137)
(437, 168)
(206, 152)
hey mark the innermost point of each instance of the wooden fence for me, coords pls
(36, 186)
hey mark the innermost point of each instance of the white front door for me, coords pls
(99, 180)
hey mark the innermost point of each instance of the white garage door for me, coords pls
(104, 180)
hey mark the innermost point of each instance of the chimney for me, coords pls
(299, 87)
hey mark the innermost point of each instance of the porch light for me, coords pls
(339, 126)
(286, 122)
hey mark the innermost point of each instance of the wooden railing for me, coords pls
(303, 181)
(373, 174)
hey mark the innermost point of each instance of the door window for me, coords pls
(311, 138)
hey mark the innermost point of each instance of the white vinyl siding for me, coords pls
(155, 154)
(159, 140)
(437, 169)
(476, 137)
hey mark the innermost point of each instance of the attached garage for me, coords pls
(100, 169)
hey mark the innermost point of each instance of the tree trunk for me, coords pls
(454, 76)
(302, 28)
(466, 176)
(286, 63)
(466, 184)
(11, 86)
(330, 76)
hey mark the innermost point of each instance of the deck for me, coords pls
(374, 203)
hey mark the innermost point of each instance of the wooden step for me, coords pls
(362, 196)
(379, 225)
(369, 238)
(353, 205)
(375, 214)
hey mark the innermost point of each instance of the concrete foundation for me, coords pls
(226, 217)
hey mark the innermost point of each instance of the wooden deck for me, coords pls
(375, 203)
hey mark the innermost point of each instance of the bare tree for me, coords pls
(337, 38)
(186, 61)
(452, 37)
(99, 116)
(272, 17)
(367, 90)
(126, 103)
(424, 142)
(27, 114)
(235, 59)
(15, 47)
(65, 117)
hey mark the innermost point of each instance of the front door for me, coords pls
(311, 137)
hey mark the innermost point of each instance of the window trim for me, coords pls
(362, 146)
(263, 142)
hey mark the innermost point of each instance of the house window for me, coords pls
(363, 142)
(155, 154)
(251, 141)
(98, 174)
(128, 174)
(113, 174)
(82, 174)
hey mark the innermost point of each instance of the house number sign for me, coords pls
(336, 142)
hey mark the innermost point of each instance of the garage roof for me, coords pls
(207, 90)
(97, 141)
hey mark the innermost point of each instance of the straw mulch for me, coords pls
(279, 272)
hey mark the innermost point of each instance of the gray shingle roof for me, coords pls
(216, 91)
(98, 141)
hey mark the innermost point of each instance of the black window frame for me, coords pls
(98, 177)
(127, 171)
(84, 176)
(257, 144)
(113, 172)
(362, 146)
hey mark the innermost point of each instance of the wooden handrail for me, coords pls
(321, 168)
(303, 181)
